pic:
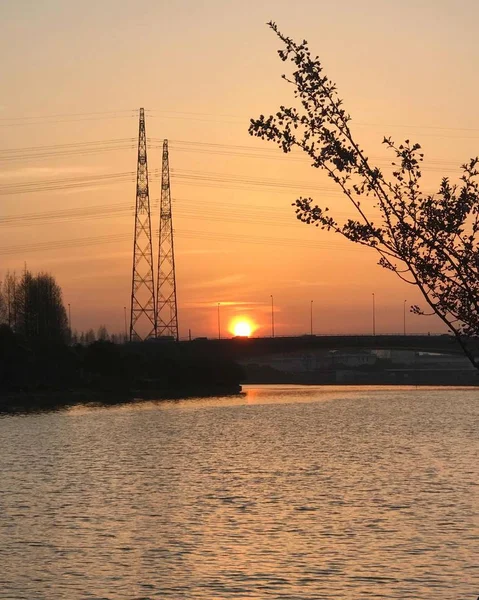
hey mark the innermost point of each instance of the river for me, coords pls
(285, 492)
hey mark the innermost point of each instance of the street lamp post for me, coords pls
(272, 316)
(404, 317)
(311, 317)
(219, 324)
(70, 319)
(374, 315)
(126, 328)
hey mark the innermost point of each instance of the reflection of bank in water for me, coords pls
(155, 389)
(20, 402)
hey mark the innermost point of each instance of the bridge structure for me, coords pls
(323, 359)
(242, 348)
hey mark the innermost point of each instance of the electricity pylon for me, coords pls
(166, 312)
(143, 310)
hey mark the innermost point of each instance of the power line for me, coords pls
(54, 146)
(240, 151)
(206, 117)
(82, 114)
(197, 177)
(65, 118)
(96, 211)
(243, 118)
(263, 240)
(60, 244)
(61, 150)
(64, 183)
(181, 233)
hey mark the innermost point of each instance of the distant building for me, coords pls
(423, 359)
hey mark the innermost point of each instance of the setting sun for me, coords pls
(241, 327)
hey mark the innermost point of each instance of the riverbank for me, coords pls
(53, 376)
(393, 377)
(27, 402)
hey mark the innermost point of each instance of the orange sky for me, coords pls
(201, 70)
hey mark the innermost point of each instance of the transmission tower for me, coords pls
(166, 310)
(143, 315)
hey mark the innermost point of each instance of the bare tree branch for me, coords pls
(429, 241)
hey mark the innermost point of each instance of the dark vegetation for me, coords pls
(430, 241)
(41, 366)
(32, 307)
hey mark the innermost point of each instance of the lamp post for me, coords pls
(126, 328)
(404, 317)
(272, 316)
(219, 325)
(70, 319)
(374, 315)
(311, 317)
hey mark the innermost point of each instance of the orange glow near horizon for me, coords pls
(237, 238)
(242, 326)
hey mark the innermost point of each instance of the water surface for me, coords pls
(287, 492)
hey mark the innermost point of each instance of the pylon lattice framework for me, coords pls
(143, 310)
(167, 312)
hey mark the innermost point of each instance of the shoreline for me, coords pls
(352, 383)
(28, 402)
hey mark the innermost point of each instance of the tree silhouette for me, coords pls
(7, 299)
(428, 240)
(39, 311)
(3, 307)
(102, 334)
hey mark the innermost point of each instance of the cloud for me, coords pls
(306, 283)
(202, 251)
(209, 304)
(213, 283)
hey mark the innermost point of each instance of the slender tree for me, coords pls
(90, 337)
(429, 240)
(102, 334)
(3, 306)
(8, 289)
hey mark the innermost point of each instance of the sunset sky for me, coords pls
(75, 74)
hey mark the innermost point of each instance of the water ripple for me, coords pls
(285, 493)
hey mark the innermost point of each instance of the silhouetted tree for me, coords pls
(89, 337)
(430, 241)
(13, 359)
(3, 307)
(7, 294)
(102, 334)
(116, 338)
(39, 311)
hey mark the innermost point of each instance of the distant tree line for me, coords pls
(101, 335)
(32, 307)
(42, 361)
(36, 375)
